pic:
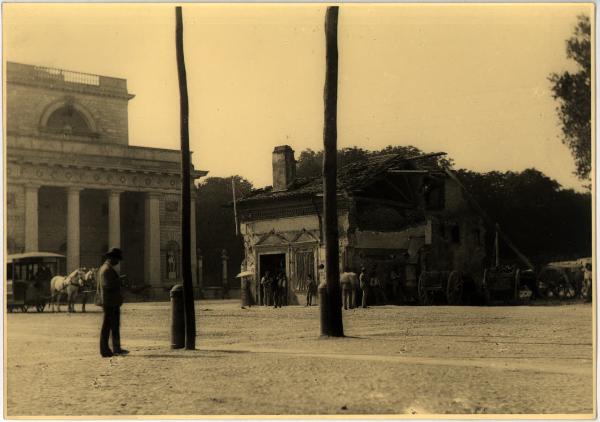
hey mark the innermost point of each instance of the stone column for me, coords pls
(31, 218)
(114, 219)
(73, 227)
(152, 239)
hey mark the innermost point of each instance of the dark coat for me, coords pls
(110, 286)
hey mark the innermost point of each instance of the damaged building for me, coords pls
(393, 212)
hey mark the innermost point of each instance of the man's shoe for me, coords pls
(108, 354)
(122, 352)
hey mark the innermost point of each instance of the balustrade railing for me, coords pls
(50, 73)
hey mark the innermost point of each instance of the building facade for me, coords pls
(393, 212)
(74, 184)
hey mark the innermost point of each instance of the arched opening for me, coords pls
(68, 118)
(68, 121)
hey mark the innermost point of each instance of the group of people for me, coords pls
(365, 287)
(366, 284)
(273, 289)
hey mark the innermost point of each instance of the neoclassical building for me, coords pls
(74, 184)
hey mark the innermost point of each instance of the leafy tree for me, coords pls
(544, 221)
(310, 162)
(215, 226)
(573, 92)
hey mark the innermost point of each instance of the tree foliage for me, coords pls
(310, 162)
(215, 225)
(544, 221)
(573, 92)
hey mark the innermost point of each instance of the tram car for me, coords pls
(28, 278)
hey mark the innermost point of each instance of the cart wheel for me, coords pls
(454, 290)
(24, 308)
(40, 307)
(424, 297)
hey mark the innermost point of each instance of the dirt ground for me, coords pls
(395, 360)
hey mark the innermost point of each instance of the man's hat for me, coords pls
(114, 253)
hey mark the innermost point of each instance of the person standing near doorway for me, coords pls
(311, 290)
(281, 289)
(265, 285)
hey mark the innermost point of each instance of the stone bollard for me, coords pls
(177, 318)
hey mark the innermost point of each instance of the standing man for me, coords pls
(347, 284)
(311, 290)
(364, 285)
(109, 289)
(265, 289)
(283, 282)
(586, 291)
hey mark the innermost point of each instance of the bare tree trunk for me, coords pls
(186, 255)
(331, 321)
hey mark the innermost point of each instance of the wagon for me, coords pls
(508, 283)
(447, 285)
(28, 278)
(562, 280)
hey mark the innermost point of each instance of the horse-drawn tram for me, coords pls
(28, 278)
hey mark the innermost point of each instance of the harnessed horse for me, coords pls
(69, 285)
(89, 285)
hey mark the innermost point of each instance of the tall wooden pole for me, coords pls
(234, 206)
(186, 263)
(332, 324)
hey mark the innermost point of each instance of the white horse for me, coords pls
(69, 285)
(89, 285)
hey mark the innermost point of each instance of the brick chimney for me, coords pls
(284, 167)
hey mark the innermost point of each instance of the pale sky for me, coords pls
(466, 79)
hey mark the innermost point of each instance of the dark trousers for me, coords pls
(277, 299)
(110, 325)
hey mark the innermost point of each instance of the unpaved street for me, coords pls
(395, 360)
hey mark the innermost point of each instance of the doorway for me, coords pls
(274, 264)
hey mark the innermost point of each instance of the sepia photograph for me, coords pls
(310, 210)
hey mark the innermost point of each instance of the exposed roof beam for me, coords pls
(422, 157)
(409, 171)
(396, 189)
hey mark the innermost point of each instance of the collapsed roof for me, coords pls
(352, 177)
